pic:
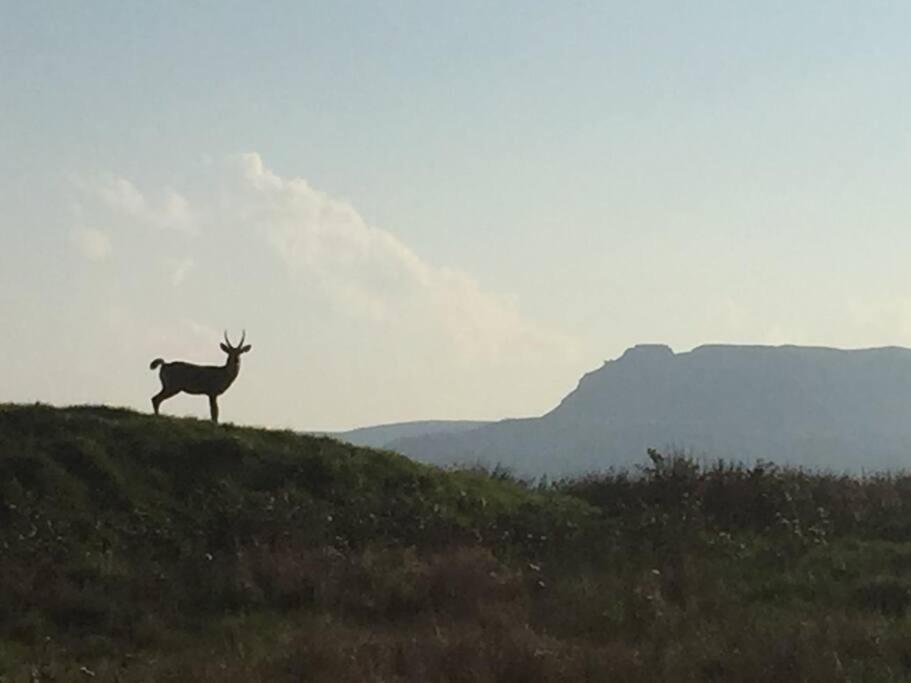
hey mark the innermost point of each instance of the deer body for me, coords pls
(208, 380)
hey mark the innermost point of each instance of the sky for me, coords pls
(440, 210)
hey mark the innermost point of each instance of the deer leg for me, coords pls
(213, 407)
(161, 396)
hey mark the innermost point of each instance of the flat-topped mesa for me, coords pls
(808, 406)
(647, 353)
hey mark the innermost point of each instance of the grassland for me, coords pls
(144, 549)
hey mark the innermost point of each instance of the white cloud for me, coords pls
(168, 210)
(121, 195)
(371, 273)
(94, 244)
(325, 244)
(180, 269)
(174, 212)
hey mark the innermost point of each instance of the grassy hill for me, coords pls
(137, 548)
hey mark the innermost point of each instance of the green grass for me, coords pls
(137, 548)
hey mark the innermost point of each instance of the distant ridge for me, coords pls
(814, 406)
(381, 436)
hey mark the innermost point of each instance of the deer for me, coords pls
(207, 380)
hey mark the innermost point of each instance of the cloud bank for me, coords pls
(369, 272)
(166, 209)
(304, 270)
(93, 243)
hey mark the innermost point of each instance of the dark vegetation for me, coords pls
(144, 549)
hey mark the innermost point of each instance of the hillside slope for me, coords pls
(121, 530)
(788, 404)
(152, 480)
(144, 549)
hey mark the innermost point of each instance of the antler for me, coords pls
(243, 336)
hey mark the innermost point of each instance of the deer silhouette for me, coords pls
(208, 380)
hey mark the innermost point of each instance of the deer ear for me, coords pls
(225, 348)
(246, 348)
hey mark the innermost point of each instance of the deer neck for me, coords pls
(232, 367)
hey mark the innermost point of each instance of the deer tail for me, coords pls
(156, 363)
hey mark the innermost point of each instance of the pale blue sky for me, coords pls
(497, 198)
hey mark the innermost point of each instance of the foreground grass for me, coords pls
(141, 549)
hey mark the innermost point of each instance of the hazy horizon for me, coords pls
(421, 211)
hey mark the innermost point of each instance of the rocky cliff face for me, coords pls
(800, 405)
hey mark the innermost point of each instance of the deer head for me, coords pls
(234, 352)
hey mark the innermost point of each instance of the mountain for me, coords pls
(381, 436)
(810, 406)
